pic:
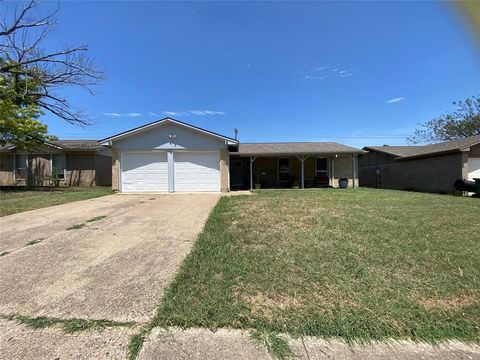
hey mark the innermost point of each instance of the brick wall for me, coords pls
(224, 185)
(342, 168)
(80, 169)
(6, 169)
(103, 170)
(115, 170)
(434, 174)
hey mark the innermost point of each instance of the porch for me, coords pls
(292, 171)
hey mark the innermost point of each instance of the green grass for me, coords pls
(276, 345)
(360, 265)
(33, 242)
(136, 342)
(76, 226)
(96, 218)
(68, 325)
(15, 200)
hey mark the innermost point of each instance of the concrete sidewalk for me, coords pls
(234, 344)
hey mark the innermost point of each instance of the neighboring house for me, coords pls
(170, 155)
(429, 168)
(62, 163)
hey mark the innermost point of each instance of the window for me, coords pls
(321, 171)
(58, 166)
(21, 167)
(284, 169)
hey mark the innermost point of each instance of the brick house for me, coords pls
(429, 168)
(62, 163)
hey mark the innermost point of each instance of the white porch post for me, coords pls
(332, 175)
(302, 159)
(252, 159)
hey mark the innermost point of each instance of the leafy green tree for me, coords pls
(31, 76)
(463, 122)
(19, 112)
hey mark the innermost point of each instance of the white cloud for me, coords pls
(153, 114)
(194, 113)
(335, 70)
(394, 100)
(310, 77)
(342, 72)
(114, 114)
(319, 68)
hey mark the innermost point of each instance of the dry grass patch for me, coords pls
(451, 303)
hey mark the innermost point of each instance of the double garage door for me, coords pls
(187, 171)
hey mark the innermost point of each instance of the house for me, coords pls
(62, 163)
(171, 155)
(429, 168)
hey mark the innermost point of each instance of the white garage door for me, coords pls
(146, 171)
(473, 168)
(197, 171)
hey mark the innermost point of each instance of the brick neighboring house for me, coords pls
(430, 168)
(69, 162)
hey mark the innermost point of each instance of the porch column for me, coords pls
(302, 159)
(354, 172)
(332, 175)
(252, 159)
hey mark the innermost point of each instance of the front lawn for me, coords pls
(15, 200)
(360, 265)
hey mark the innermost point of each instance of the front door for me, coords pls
(284, 170)
(236, 172)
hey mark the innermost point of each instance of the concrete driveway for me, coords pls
(113, 268)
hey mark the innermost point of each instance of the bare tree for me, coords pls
(22, 34)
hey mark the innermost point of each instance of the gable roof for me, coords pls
(296, 148)
(162, 122)
(397, 151)
(408, 152)
(67, 145)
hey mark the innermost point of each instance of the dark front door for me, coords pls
(236, 173)
(283, 171)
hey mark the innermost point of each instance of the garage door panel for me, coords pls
(144, 172)
(473, 168)
(197, 171)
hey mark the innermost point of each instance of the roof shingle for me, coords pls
(405, 152)
(295, 148)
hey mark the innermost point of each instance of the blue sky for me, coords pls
(360, 73)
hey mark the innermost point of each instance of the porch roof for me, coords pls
(296, 148)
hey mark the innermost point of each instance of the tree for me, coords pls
(19, 114)
(463, 122)
(31, 76)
